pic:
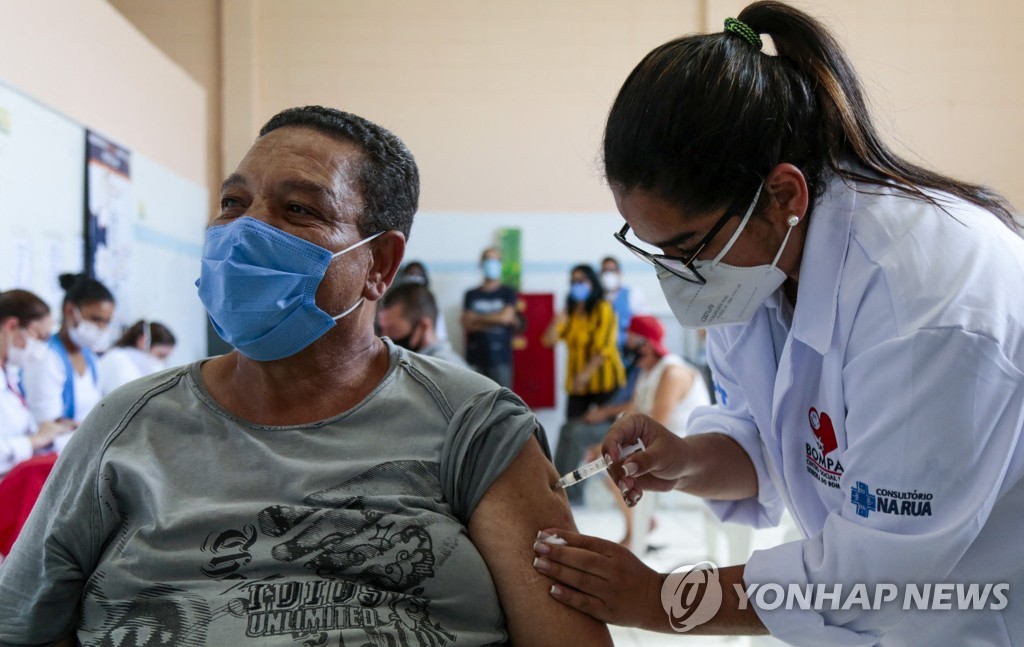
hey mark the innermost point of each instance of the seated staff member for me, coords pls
(25, 325)
(318, 483)
(142, 349)
(408, 314)
(866, 335)
(65, 383)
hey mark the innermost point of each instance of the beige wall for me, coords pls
(83, 59)
(188, 31)
(945, 79)
(503, 102)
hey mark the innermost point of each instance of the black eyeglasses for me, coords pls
(681, 266)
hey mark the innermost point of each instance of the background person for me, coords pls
(590, 330)
(866, 336)
(594, 369)
(668, 390)
(489, 319)
(25, 325)
(65, 384)
(625, 302)
(407, 315)
(416, 272)
(142, 349)
(315, 472)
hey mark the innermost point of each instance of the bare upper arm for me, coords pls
(504, 527)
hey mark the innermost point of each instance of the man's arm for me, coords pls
(504, 528)
(477, 321)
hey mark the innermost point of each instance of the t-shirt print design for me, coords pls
(350, 560)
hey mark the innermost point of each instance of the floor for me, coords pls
(685, 534)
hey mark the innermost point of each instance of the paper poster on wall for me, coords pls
(55, 265)
(21, 262)
(42, 177)
(110, 215)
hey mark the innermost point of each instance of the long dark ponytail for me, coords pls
(703, 119)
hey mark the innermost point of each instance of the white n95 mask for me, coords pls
(33, 351)
(86, 334)
(731, 295)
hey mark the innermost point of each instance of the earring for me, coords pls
(793, 220)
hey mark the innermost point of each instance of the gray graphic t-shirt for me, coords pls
(168, 521)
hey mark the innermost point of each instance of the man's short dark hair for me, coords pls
(389, 181)
(611, 259)
(415, 299)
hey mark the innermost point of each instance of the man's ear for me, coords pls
(388, 251)
(790, 196)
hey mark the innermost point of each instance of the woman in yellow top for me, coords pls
(590, 330)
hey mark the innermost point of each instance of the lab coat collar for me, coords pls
(824, 255)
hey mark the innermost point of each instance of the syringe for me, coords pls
(598, 466)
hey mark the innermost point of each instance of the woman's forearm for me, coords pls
(717, 468)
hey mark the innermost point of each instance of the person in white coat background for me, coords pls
(866, 336)
(25, 325)
(65, 383)
(143, 349)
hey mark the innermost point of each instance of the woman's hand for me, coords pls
(580, 382)
(50, 430)
(658, 468)
(601, 578)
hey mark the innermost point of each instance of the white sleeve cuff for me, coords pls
(784, 565)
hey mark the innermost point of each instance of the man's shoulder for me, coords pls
(139, 391)
(452, 382)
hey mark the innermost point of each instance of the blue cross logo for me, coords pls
(861, 497)
(720, 393)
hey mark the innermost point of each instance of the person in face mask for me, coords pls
(865, 331)
(142, 349)
(590, 330)
(625, 300)
(65, 384)
(25, 325)
(333, 473)
(407, 315)
(489, 319)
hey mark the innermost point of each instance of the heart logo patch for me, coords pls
(823, 430)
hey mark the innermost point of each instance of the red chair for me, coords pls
(18, 493)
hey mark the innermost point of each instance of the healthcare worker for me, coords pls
(65, 384)
(866, 334)
(143, 349)
(25, 325)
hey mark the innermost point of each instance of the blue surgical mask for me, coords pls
(492, 269)
(579, 291)
(259, 285)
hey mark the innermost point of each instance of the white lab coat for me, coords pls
(44, 388)
(906, 341)
(120, 365)
(16, 423)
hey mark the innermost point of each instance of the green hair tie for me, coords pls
(743, 31)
